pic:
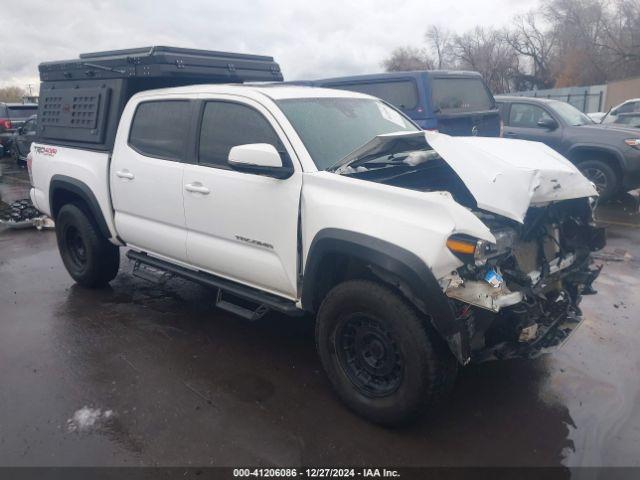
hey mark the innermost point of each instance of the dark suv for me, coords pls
(12, 116)
(608, 155)
(453, 102)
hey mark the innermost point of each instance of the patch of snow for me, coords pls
(87, 418)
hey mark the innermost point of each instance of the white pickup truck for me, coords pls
(415, 252)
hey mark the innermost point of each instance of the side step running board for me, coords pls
(244, 312)
(264, 300)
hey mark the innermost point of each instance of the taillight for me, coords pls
(6, 123)
(29, 163)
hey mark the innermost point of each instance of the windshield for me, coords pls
(451, 95)
(630, 119)
(331, 128)
(21, 111)
(570, 114)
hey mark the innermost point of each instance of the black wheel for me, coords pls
(603, 177)
(91, 260)
(383, 359)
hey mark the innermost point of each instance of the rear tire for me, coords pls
(382, 357)
(91, 260)
(603, 176)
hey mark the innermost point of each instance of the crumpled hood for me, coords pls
(507, 176)
(504, 176)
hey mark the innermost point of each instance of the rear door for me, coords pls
(146, 176)
(241, 226)
(463, 106)
(522, 123)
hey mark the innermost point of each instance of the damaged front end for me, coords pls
(520, 296)
(517, 296)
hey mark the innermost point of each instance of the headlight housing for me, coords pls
(471, 250)
(633, 142)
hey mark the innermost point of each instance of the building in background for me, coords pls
(621, 90)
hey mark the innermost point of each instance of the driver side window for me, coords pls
(226, 125)
(526, 116)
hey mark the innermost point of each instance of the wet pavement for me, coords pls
(142, 375)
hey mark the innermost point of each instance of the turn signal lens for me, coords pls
(461, 246)
(633, 142)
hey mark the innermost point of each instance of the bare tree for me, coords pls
(564, 43)
(484, 51)
(604, 34)
(408, 58)
(439, 40)
(11, 94)
(537, 46)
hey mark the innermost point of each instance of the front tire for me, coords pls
(384, 360)
(603, 176)
(91, 260)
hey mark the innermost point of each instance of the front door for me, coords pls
(146, 178)
(522, 123)
(241, 226)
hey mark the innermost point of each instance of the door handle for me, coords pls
(510, 134)
(125, 174)
(197, 187)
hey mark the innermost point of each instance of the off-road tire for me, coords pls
(428, 367)
(604, 171)
(91, 260)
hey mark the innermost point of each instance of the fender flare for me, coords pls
(75, 186)
(401, 263)
(604, 148)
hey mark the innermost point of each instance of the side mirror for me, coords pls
(259, 159)
(548, 123)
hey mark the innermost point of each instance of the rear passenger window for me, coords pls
(160, 129)
(226, 125)
(400, 93)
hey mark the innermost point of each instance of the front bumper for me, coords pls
(550, 334)
(631, 170)
(532, 311)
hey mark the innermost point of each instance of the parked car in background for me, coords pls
(609, 156)
(596, 116)
(628, 119)
(12, 116)
(22, 139)
(453, 102)
(628, 106)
